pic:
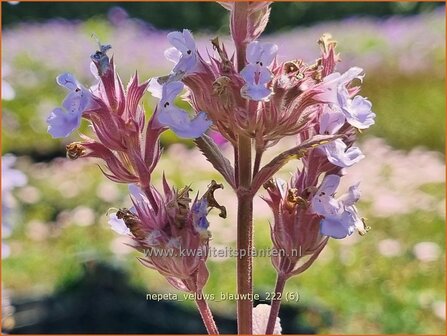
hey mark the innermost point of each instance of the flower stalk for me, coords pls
(206, 315)
(276, 302)
(244, 238)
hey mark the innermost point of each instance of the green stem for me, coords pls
(244, 238)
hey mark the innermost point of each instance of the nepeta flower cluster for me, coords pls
(252, 100)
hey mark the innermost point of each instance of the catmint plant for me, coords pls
(251, 100)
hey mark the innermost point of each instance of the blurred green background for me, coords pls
(390, 281)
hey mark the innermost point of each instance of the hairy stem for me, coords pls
(244, 238)
(236, 166)
(245, 198)
(276, 303)
(206, 314)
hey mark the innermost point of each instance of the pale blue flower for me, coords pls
(256, 80)
(335, 83)
(357, 111)
(339, 154)
(340, 216)
(262, 54)
(63, 121)
(177, 119)
(337, 151)
(256, 74)
(331, 120)
(337, 228)
(323, 203)
(183, 53)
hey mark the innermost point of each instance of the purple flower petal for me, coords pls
(340, 216)
(68, 81)
(178, 120)
(261, 53)
(182, 41)
(255, 92)
(62, 124)
(335, 228)
(351, 74)
(186, 46)
(338, 154)
(256, 78)
(331, 121)
(323, 203)
(170, 91)
(334, 86)
(358, 112)
(265, 76)
(76, 102)
(189, 40)
(352, 196)
(329, 184)
(173, 55)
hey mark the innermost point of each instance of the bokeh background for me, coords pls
(64, 270)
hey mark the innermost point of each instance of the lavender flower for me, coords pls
(261, 54)
(178, 119)
(256, 74)
(337, 151)
(63, 121)
(340, 216)
(184, 52)
(358, 111)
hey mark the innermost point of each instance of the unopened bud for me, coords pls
(326, 42)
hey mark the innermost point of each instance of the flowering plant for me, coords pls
(253, 101)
